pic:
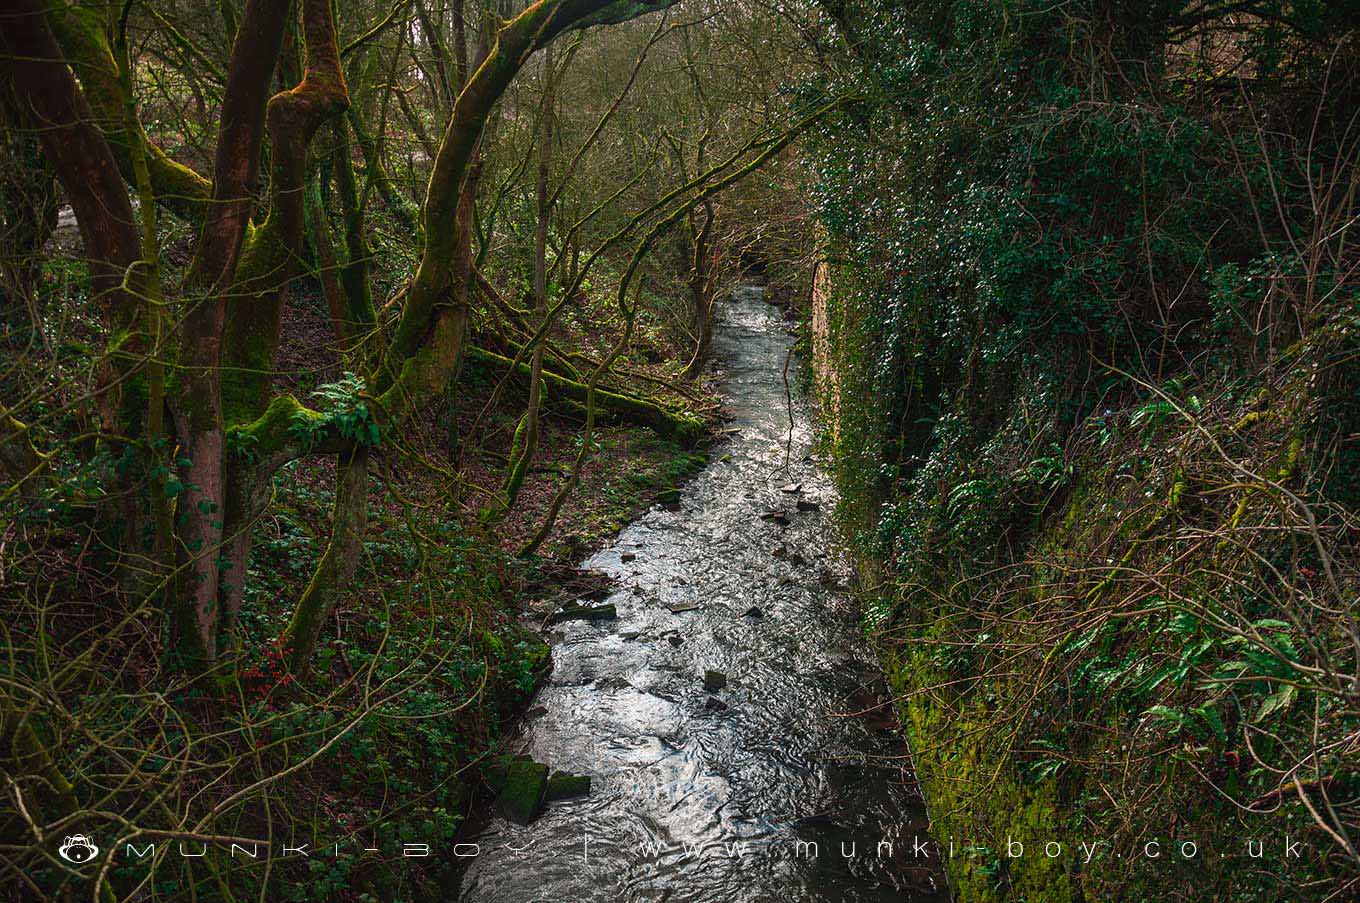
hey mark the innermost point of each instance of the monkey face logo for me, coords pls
(77, 848)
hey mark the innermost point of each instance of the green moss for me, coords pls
(252, 323)
(272, 430)
(537, 654)
(977, 800)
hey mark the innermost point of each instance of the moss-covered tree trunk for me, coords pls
(198, 406)
(84, 163)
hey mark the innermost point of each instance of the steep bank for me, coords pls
(1125, 663)
(1088, 335)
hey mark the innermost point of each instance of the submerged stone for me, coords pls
(584, 613)
(714, 681)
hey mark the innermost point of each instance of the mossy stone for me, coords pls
(566, 786)
(522, 793)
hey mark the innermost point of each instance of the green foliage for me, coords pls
(342, 409)
(421, 628)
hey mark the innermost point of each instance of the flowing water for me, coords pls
(771, 788)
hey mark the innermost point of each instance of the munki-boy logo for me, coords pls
(77, 848)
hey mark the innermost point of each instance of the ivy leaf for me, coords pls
(1278, 701)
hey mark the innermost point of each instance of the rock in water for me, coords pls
(566, 786)
(584, 613)
(714, 681)
(522, 795)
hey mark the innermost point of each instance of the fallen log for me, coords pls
(682, 428)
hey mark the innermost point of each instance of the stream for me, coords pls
(777, 786)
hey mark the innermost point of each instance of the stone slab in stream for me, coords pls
(584, 613)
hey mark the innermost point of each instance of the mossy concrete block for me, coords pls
(522, 793)
(566, 786)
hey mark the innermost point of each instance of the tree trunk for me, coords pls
(28, 212)
(80, 155)
(198, 410)
(360, 316)
(525, 443)
(349, 520)
(701, 293)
